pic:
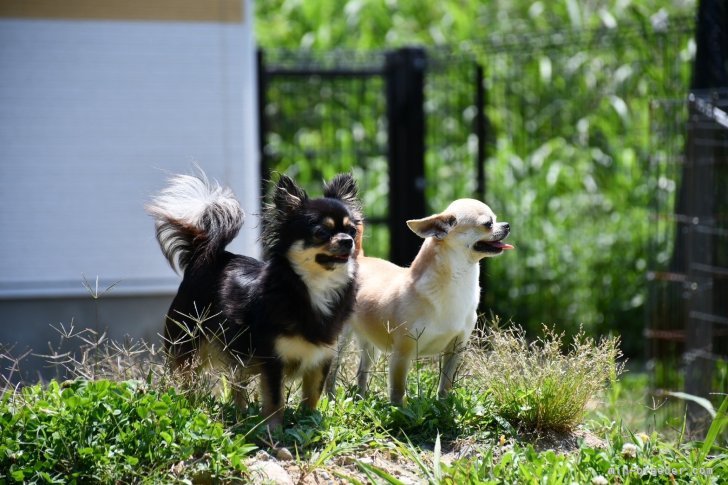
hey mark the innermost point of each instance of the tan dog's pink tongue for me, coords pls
(501, 245)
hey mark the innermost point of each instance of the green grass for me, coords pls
(139, 427)
(538, 386)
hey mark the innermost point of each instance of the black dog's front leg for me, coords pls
(271, 391)
(313, 384)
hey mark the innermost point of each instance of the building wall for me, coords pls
(99, 103)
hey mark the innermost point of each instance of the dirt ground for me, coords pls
(279, 467)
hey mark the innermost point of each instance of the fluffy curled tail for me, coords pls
(195, 220)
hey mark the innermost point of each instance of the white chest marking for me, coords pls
(297, 350)
(455, 307)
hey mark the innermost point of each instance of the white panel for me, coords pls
(93, 118)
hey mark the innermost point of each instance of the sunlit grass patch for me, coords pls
(104, 431)
(539, 387)
(124, 417)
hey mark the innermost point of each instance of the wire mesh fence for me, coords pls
(688, 276)
(568, 164)
(554, 131)
(324, 113)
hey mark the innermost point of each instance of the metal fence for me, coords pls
(321, 114)
(403, 121)
(688, 317)
(552, 131)
(568, 164)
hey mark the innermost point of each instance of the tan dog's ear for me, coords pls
(437, 226)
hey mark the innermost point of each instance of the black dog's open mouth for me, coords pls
(491, 246)
(331, 259)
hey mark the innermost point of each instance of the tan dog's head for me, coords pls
(467, 224)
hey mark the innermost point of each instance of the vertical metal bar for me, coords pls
(405, 88)
(481, 124)
(262, 122)
(698, 331)
(480, 132)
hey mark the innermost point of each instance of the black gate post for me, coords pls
(405, 85)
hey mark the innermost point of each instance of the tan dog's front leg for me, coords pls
(399, 365)
(313, 384)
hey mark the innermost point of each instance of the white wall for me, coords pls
(94, 116)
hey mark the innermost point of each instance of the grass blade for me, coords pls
(704, 403)
(371, 469)
(436, 458)
(720, 421)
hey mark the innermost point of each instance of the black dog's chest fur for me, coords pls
(245, 304)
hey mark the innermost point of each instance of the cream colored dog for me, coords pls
(430, 307)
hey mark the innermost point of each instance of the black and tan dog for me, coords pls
(276, 317)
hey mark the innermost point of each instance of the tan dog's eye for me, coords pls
(488, 225)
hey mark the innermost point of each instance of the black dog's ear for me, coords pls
(344, 188)
(437, 226)
(288, 196)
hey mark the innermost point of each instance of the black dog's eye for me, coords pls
(321, 233)
(351, 231)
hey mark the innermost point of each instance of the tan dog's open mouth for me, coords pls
(491, 246)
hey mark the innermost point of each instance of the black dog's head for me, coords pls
(313, 233)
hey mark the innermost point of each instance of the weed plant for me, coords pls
(538, 387)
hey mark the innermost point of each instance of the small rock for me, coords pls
(269, 472)
(262, 455)
(178, 468)
(284, 454)
(347, 460)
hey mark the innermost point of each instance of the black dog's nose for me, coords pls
(346, 243)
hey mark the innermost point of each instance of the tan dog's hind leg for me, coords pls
(367, 355)
(450, 362)
(341, 344)
(239, 390)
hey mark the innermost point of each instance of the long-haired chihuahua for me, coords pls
(277, 317)
(429, 308)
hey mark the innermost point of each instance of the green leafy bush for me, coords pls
(104, 431)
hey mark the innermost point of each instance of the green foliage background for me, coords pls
(571, 163)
